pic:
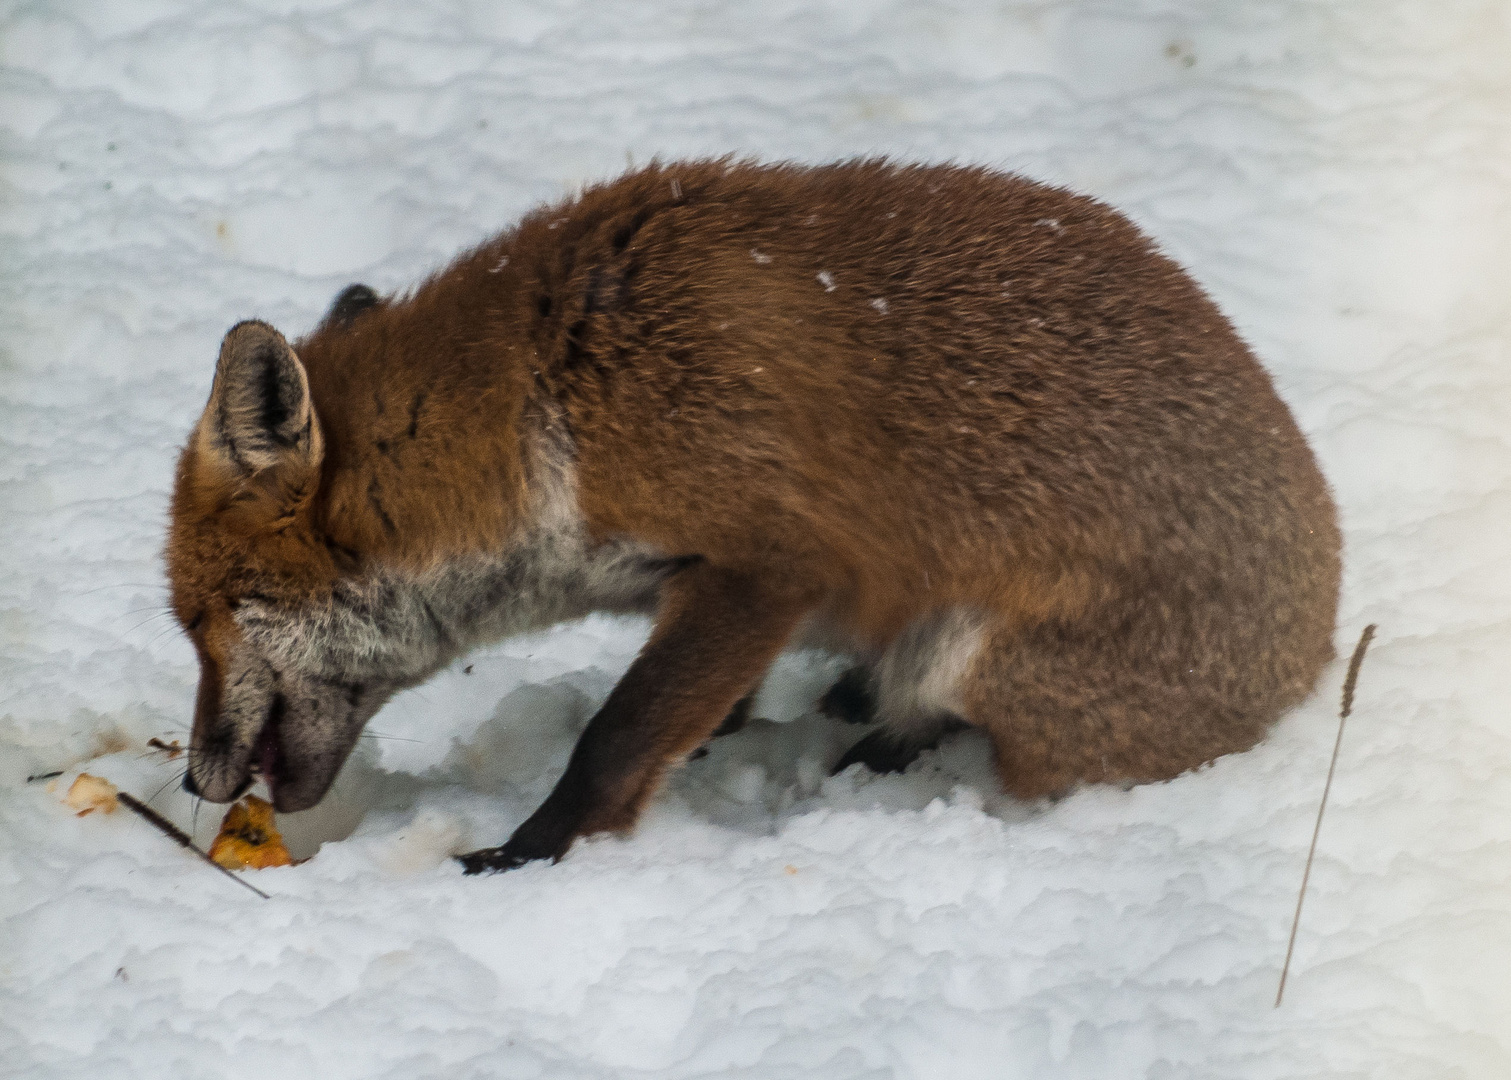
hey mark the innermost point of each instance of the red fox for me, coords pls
(973, 431)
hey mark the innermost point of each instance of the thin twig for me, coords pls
(171, 749)
(43, 776)
(1348, 707)
(178, 836)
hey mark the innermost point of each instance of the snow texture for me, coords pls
(1336, 172)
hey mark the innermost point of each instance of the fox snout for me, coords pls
(291, 733)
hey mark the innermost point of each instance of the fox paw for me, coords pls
(881, 753)
(850, 698)
(492, 860)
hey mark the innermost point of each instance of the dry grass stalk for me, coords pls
(1348, 707)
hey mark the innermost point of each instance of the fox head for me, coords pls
(297, 648)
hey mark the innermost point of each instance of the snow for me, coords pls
(1336, 172)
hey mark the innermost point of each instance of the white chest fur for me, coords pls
(392, 628)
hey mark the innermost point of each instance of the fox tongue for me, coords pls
(267, 759)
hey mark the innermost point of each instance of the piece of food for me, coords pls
(248, 839)
(91, 793)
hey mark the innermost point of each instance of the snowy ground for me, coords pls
(1336, 172)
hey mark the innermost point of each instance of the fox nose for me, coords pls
(189, 785)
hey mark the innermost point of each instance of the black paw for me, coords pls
(544, 835)
(881, 753)
(850, 698)
(491, 860)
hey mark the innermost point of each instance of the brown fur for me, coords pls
(850, 400)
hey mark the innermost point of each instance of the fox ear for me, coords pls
(352, 301)
(260, 416)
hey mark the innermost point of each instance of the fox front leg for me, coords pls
(716, 634)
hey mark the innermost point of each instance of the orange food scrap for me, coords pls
(248, 839)
(91, 793)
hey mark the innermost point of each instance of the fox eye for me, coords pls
(193, 624)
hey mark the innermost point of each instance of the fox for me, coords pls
(974, 432)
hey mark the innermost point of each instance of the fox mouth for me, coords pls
(304, 730)
(267, 756)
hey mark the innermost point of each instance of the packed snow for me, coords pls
(1336, 172)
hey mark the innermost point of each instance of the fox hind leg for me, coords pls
(1064, 709)
(913, 691)
(1064, 706)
